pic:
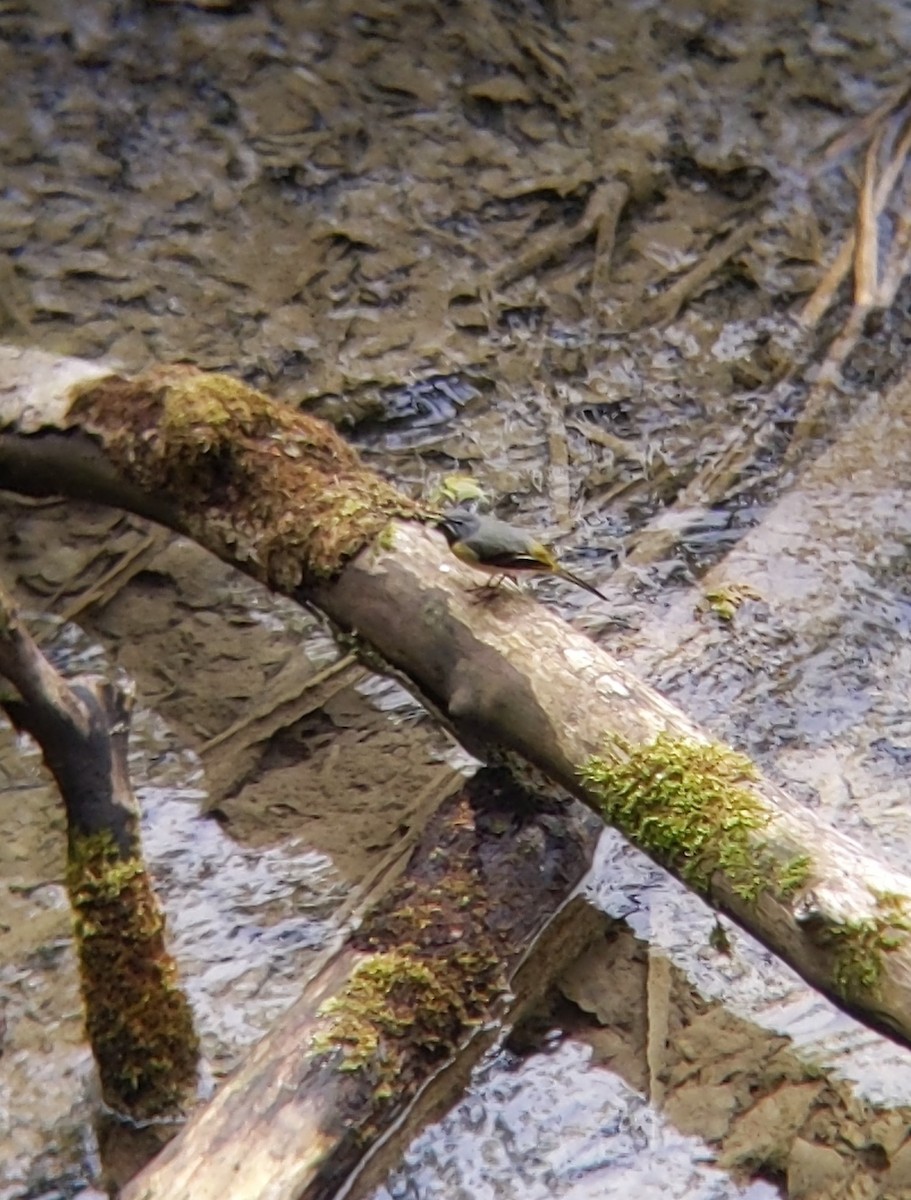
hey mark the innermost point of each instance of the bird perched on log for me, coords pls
(501, 550)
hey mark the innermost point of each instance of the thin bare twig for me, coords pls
(665, 307)
(554, 244)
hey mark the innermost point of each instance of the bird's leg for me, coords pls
(495, 586)
(482, 593)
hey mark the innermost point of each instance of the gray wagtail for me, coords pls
(498, 549)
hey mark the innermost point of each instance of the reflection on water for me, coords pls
(243, 921)
(414, 415)
(246, 921)
(750, 980)
(552, 1126)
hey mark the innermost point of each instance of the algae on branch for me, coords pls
(690, 806)
(399, 1001)
(251, 478)
(139, 1021)
(858, 946)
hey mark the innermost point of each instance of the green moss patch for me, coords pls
(859, 947)
(399, 1005)
(690, 806)
(274, 484)
(432, 969)
(725, 600)
(138, 1020)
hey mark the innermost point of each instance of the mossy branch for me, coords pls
(690, 805)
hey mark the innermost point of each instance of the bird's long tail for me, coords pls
(582, 583)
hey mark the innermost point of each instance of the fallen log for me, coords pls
(282, 497)
(407, 1005)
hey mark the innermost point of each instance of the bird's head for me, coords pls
(458, 524)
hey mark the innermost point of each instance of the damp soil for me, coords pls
(563, 248)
